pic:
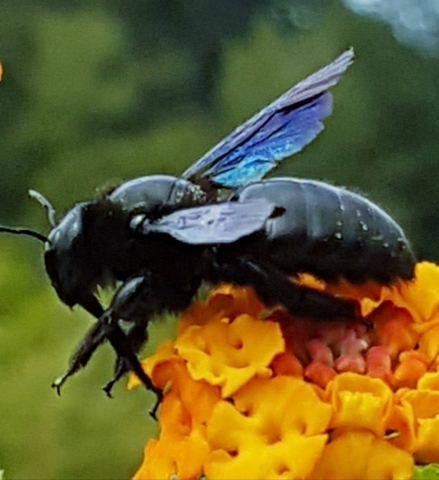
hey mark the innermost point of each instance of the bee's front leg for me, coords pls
(107, 328)
(130, 304)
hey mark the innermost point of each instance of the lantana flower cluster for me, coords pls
(257, 394)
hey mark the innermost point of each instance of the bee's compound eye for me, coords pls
(68, 230)
(51, 265)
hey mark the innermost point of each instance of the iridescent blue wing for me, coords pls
(211, 224)
(281, 129)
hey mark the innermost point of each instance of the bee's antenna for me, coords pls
(46, 204)
(24, 231)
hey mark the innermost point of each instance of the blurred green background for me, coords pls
(99, 91)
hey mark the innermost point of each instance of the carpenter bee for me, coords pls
(161, 237)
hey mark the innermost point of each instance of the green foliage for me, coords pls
(426, 472)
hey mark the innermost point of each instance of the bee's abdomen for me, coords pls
(331, 232)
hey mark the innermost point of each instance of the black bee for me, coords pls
(162, 236)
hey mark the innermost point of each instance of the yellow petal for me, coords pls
(427, 447)
(275, 429)
(226, 301)
(165, 353)
(359, 455)
(232, 301)
(421, 295)
(294, 457)
(360, 402)
(425, 406)
(425, 403)
(400, 428)
(182, 445)
(393, 328)
(429, 381)
(429, 343)
(413, 364)
(182, 456)
(230, 354)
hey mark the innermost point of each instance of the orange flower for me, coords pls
(225, 302)
(159, 367)
(393, 328)
(181, 453)
(291, 398)
(429, 344)
(255, 437)
(182, 447)
(358, 454)
(287, 364)
(400, 428)
(419, 297)
(412, 365)
(230, 354)
(379, 363)
(425, 407)
(360, 402)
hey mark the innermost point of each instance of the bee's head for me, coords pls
(62, 256)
